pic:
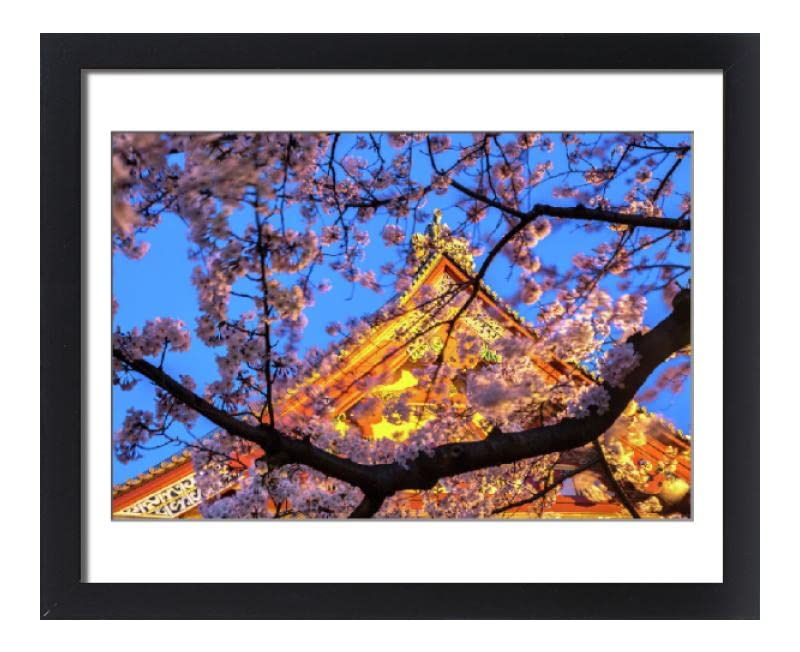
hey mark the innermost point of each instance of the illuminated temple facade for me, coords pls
(169, 490)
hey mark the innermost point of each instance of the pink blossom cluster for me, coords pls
(154, 338)
(520, 249)
(393, 234)
(628, 313)
(618, 362)
(136, 430)
(249, 501)
(591, 399)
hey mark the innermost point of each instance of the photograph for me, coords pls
(401, 325)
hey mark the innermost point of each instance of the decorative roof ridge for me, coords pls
(419, 275)
(501, 303)
(153, 472)
(674, 431)
(429, 263)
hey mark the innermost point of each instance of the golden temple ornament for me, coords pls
(439, 239)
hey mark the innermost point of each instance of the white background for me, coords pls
(21, 261)
(392, 551)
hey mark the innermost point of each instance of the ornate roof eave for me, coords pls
(506, 309)
(430, 263)
(153, 472)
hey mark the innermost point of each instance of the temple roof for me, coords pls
(183, 457)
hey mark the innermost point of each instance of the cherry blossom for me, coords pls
(584, 228)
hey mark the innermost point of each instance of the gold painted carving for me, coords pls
(169, 502)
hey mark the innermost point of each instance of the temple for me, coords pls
(660, 459)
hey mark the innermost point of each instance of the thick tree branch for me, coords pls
(380, 480)
(273, 442)
(653, 347)
(581, 212)
(578, 212)
(368, 507)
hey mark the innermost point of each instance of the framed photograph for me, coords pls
(444, 326)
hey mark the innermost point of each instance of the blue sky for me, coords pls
(159, 285)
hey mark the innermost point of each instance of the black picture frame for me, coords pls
(64, 59)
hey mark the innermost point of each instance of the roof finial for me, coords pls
(438, 238)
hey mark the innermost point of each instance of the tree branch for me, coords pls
(273, 442)
(553, 485)
(368, 507)
(653, 347)
(381, 480)
(579, 212)
(624, 499)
